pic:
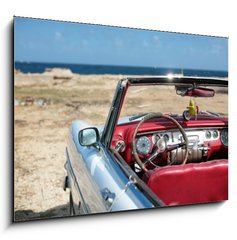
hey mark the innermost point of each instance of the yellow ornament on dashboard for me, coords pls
(192, 110)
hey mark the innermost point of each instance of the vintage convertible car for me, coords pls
(152, 158)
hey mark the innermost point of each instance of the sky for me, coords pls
(61, 42)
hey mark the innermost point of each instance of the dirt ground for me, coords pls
(44, 110)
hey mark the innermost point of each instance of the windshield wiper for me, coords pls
(137, 116)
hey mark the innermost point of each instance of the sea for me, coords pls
(37, 67)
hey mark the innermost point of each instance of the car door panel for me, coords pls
(103, 185)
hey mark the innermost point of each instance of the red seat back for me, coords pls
(191, 183)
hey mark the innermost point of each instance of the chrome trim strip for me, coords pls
(70, 169)
(175, 129)
(122, 164)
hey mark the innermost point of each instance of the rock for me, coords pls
(16, 102)
(21, 123)
(16, 71)
(59, 73)
(41, 102)
(29, 101)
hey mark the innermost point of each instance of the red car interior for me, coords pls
(190, 183)
(196, 181)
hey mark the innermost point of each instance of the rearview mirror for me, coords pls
(195, 91)
(88, 136)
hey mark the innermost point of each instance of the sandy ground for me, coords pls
(40, 136)
(44, 110)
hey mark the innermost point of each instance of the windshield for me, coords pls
(161, 98)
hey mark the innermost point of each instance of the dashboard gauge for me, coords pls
(155, 138)
(143, 145)
(166, 137)
(224, 137)
(215, 134)
(208, 134)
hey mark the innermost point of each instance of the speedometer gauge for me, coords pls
(143, 145)
(224, 137)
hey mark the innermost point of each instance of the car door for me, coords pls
(97, 182)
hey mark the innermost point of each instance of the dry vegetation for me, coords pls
(41, 130)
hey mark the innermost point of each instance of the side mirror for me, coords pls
(89, 136)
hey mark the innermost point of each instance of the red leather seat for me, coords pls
(191, 183)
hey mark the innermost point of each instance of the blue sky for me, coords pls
(61, 42)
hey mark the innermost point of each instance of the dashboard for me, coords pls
(201, 142)
(205, 142)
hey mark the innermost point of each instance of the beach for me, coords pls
(45, 106)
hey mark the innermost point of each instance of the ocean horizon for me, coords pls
(40, 67)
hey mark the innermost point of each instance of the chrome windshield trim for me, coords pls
(113, 115)
(173, 80)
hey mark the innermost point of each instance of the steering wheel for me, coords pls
(162, 146)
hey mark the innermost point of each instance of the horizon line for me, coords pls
(111, 65)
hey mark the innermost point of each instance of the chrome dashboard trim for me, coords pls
(175, 130)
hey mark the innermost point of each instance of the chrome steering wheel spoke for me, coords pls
(152, 157)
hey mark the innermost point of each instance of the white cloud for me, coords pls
(145, 44)
(156, 41)
(85, 43)
(118, 42)
(156, 38)
(58, 36)
(216, 48)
